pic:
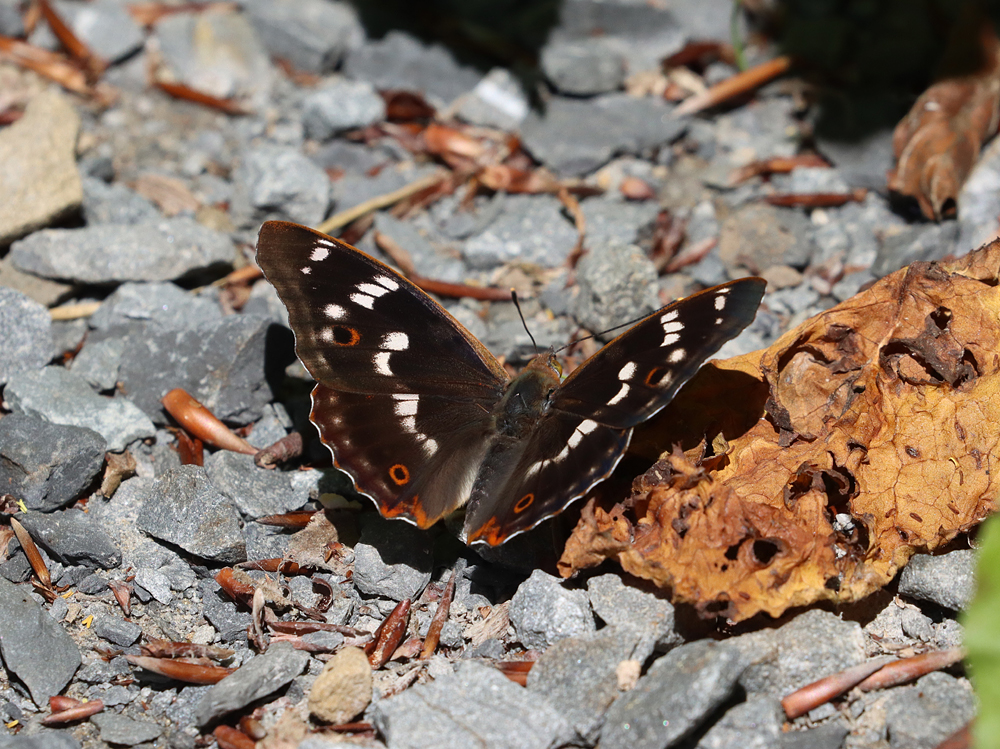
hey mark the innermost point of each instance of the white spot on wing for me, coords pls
(364, 300)
(669, 316)
(620, 396)
(396, 342)
(326, 335)
(409, 424)
(677, 356)
(406, 408)
(718, 321)
(626, 372)
(381, 362)
(335, 311)
(387, 282)
(534, 468)
(670, 339)
(306, 271)
(720, 301)
(673, 327)
(372, 289)
(587, 426)
(430, 447)
(318, 254)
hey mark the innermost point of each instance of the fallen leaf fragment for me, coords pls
(192, 673)
(938, 142)
(202, 423)
(228, 737)
(864, 435)
(73, 713)
(388, 635)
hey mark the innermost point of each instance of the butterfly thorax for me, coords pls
(527, 397)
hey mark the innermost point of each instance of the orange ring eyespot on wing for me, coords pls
(345, 336)
(524, 503)
(655, 376)
(399, 474)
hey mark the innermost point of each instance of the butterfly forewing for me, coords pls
(637, 373)
(355, 320)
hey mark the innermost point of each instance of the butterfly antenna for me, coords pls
(517, 305)
(595, 335)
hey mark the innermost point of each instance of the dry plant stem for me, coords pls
(288, 519)
(274, 564)
(245, 275)
(84, 710)
(74, 311)
(776, 165)
(304, 628)
(389, 635)
(31, 552)
(817, 199)
(230, 738)
(192, 673)
(908, 669)
(735, 86)
(287, 448)
(201, 423)
(53, 66)
(381, 201)
(355, 727)
(440, 617)
(157, 648)
(180, 91)
(92, 64)
(811, 696)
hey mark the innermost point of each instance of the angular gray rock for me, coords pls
(220, 362)
(117, 729)
(256, 678)
(47, 465)
(186, 510)
(678, 692)
(477, 706)
(392, 559)
(116, 630)
(103, 25)
(313, 35)
(163, 303)
(39, 181)
(948, 580)
(25, 334)
(496, 101)
(61, 397)
(35, 648)
(255, 491)
(115, 204)
(531, 229)
(579, 676)
(754, 724)
(341, 105)
(279, 182)
(583, 68)
(923, 715)
(543, 611)
(113, 253)
(398, 60)
(617, 285)
(628, 608)
(72, 537)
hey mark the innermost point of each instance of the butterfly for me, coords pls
(425, 420)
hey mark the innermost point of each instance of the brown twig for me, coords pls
(440, 617)
(287, 448)
(192, 673)
(201, 423)
(775, 165)
(298, 519)
(388, 635)
(91, 63)
(156, 648)
(304, 628)
(180, 91)
(74, 311)
(274, 564)
(908, 669)
(811, 696)
(817, 199)
(736, 85)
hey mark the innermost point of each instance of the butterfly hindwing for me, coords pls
(638, 372)
(355, 319)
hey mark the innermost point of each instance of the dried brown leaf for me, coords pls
(859, 438)
(937, 143)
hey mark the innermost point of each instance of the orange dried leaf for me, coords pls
(859, 438)
(937, 143)
(201, 423)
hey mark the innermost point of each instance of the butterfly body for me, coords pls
(425, 420)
